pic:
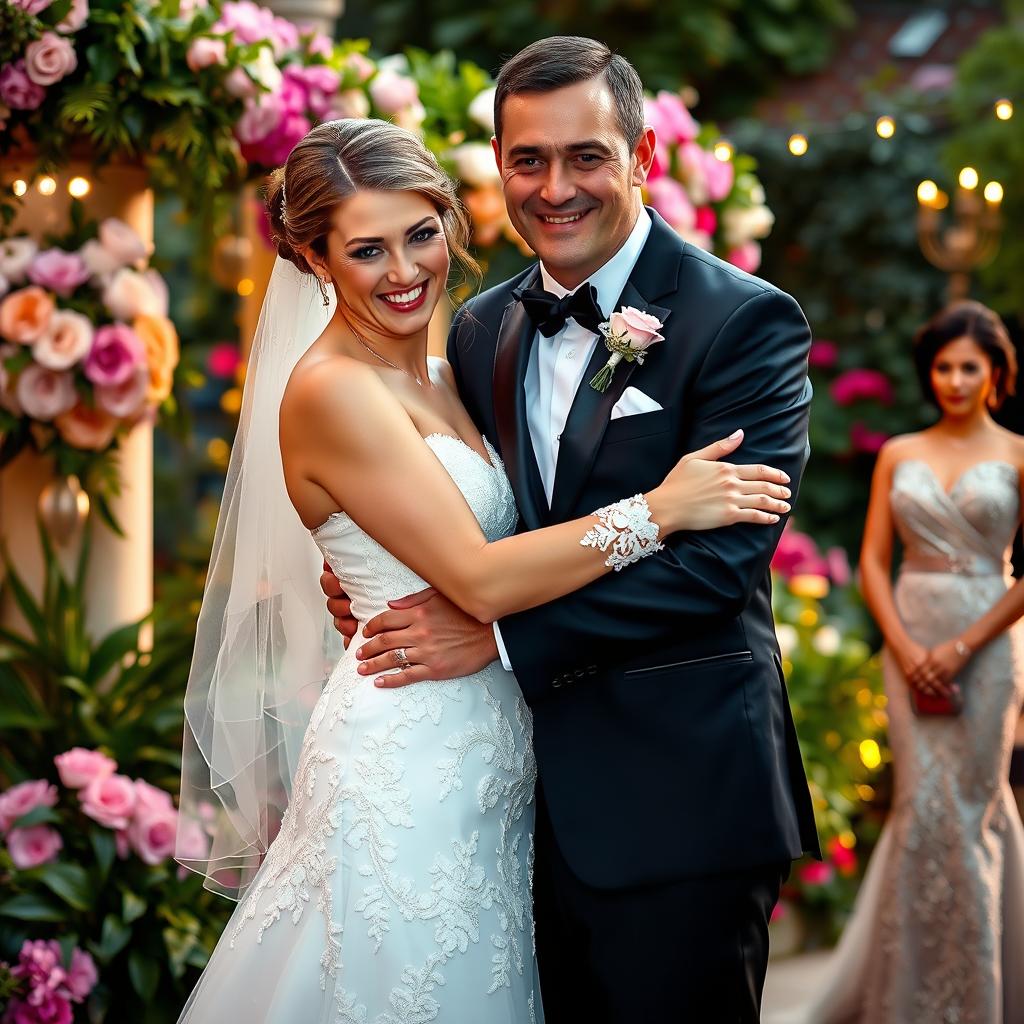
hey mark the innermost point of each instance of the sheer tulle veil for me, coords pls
(264, 640)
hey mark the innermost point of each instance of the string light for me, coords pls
(798, 144)
(994, 192)
(78, 188)
(19, 187)
(886, 127)
(47, 186)
(968, 178)
(723, 151)
(927, 192)
(1004, 110)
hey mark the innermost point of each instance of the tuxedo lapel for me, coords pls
(515, 339)
(656, 273)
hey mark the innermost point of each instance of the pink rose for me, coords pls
(49, 59)
(239, 84)
(25, 314)
(17, 801)
(668, 115)
(121, 241)
(707, 220)
(30, 847)
(109, 800)
(860, 385)
(795, 552)
(823, 355)
(816, 873)
(261, 116)
(65, 341)
(205, 52)
(82, 975)
(151, 799)
(192, 842)
(693, 172)
(746, 256)
(45, 394)
(350, 103)
(76, 17)
(862, 439)
(126, 400)
(32, 6)
(59, 271)
(639, 328)
(49, 1008)
(152, 834)
(78, 767)
(392, 92)
(284, 36)
(86, 427)
(274, 149)
(838, 566)
(16, 256)
(360, 65)
(130, 294)
(671, 200)
(115, 355)
(100, 262)
(719, 176)
(17, 90)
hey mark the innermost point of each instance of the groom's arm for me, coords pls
(754, 377)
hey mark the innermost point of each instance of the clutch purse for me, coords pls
(925, 704)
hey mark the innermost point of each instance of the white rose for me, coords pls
(481, 109)
(129, 294)
(121, 241)
(741, 225)
(16, 255)
(411, 118)
(350, 103)
(827, 641)
(66, 340)
(474, 164)
(159, 286)
(99, 261)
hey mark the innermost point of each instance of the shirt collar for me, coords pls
(611, 278)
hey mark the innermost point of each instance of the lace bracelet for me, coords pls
(627, 529)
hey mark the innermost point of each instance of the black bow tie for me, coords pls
(549, 312)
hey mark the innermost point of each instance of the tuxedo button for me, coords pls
(570, 354)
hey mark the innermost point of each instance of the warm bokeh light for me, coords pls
(927, 192)
(218, 451)
(994, 192)
(246, 286)
(968, 178)
(78, 188)
(1004, 110)
(231, 401)
(886, 127)
(47, 186)
(798, 144)
(723, 151)
(870, 754)
(19, 186)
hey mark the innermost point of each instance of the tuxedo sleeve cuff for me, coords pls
(502, 653)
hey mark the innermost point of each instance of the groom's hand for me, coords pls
(338, 604)
(440, 641)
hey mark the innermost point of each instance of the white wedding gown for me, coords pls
(398, 890)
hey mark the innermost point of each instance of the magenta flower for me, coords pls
(61, 272)
(319, 85)
(78, 767)
(796, 553)
(668, 115)
(17, 801)
(116, 353)
(17, 90)
(816, 873)
(262, 114)
(223, 359)
(32, 846)
(823, 355)
(671, 200)
(707, 220)
(862, 439)
(82, 975)
(860, 385)
(747, 257)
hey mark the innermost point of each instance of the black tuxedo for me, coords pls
(663, 734)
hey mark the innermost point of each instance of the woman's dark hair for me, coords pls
(554, 63)
(967, 319)
(338, 158)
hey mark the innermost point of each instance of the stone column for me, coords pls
(320, 14)
(119, 588)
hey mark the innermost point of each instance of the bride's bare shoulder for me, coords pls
(332, 387)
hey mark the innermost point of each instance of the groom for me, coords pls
(671, 798)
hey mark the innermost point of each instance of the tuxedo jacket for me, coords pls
(662, 729)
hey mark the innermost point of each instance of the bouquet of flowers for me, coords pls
(86, 348)
(44, 983)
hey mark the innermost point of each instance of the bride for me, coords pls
(379, 839)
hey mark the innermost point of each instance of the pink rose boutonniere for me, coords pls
(628, 335)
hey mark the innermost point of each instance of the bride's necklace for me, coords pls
(386, 362)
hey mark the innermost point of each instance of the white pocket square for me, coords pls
(632, 402)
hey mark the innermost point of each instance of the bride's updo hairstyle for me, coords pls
(337, 159)
(967, 319)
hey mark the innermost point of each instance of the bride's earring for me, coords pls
(323, 291)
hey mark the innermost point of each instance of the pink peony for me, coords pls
(30, 847)
(100, 262)
(863, 439)
(115, 355)
(17, 90)
(130, 294)
(86, 427)
(49, 59)
(641, 329)
(44, 394)
(127, 399)
(746, 256)
(795, 552)
(76, 17)
(24, 797)
(319, 85)
(59, 271)
(152, 834)
(49, 1008)
(205, 52)
(816, 873)
(223, 359)
(671, 200)
(109, 800)
(16, 256)
(78, 767)
(860, 385)
(275, 147)
(823, 355)
(240, 84)
(121, 241)
(65, 341)
(82, 975)
(392, 92)
(350, 103)
(250, 23)
(261, 116)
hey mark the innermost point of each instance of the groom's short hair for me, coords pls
(558, 61)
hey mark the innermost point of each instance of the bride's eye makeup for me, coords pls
(417, 234)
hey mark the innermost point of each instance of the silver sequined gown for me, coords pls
(937, 936)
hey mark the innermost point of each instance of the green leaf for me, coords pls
(113, 648)
(114, 936)
(106, 513)
(68, 881)
(32, 907)
(145, 974)
(81, 104)
(37, 816)
(132, 906)
(104, 846)
(26, 603)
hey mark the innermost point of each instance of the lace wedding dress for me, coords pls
(398, 889)
(937, 935)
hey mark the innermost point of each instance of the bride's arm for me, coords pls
(367, 454)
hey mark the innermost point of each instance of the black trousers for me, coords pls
(693, 951)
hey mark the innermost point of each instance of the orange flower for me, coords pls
(25, 314)
(85, 427)
(160, 340)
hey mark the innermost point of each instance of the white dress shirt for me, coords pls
(557, 364)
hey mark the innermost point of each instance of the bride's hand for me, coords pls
(703, 493)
